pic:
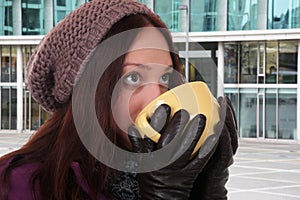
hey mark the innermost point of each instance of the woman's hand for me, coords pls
(210, 184)
(174, 181)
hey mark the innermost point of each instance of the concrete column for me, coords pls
(17, 17)
(222, 15)
(298, 94)
(220, 76)
(262, 15)
(48, 16)
(19, 90)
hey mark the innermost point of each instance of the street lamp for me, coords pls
(187, 29)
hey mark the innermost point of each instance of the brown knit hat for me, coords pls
(54, 66)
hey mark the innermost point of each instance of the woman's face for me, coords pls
(145, 76)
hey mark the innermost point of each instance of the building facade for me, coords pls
(246, 49)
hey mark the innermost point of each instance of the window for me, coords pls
(287, 113)
(287, 72)
(27, 51)
(283, 14)
(8, 16)
(233, 94)
(168, 11)
(32, 17)
(7, 23)
(248, 62)
(231, 63)
(8, 107)
(61, 2)
(281, 62)
(33, 116)
(204, 15)
(62, 8)
(8, 70)
(242, 15)
(275, 107)
(248, 110)
(271, 61)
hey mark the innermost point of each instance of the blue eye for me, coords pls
(132, 79)
(165, 79)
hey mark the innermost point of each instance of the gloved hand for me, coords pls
(174, 181)
(210, 184)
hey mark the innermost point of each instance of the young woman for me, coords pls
(56, 163)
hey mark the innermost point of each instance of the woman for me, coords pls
(56, 163)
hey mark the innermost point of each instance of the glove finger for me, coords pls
(216, 153)
(231, 125)
(220, 100)
(135, 139)
(222, 108)
(228, 111)
(191, 136)
(230, 107)
(160, 117)
(225, 148)
(227, 115)
(207, 149)
(175, 126)
(228, 141)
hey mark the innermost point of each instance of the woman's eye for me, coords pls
(133, 79)
(165, 79)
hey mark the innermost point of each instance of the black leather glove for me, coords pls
(174, 181)
(210, 184)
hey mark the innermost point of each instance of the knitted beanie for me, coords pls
(54, 66)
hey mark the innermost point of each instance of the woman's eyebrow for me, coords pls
(147, 66)
(169, 68)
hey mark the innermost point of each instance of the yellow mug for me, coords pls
(195, 97)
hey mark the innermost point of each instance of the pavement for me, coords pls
(12, 141)
(262, 170)
(267, 170)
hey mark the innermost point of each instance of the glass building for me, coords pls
(246, 49)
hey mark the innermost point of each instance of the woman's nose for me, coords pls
(150, 92)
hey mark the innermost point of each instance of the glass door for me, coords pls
(248, 112)
(271, 114)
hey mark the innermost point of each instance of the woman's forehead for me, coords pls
(149, 57)
(149, 37)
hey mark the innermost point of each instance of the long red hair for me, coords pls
(56, 143)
